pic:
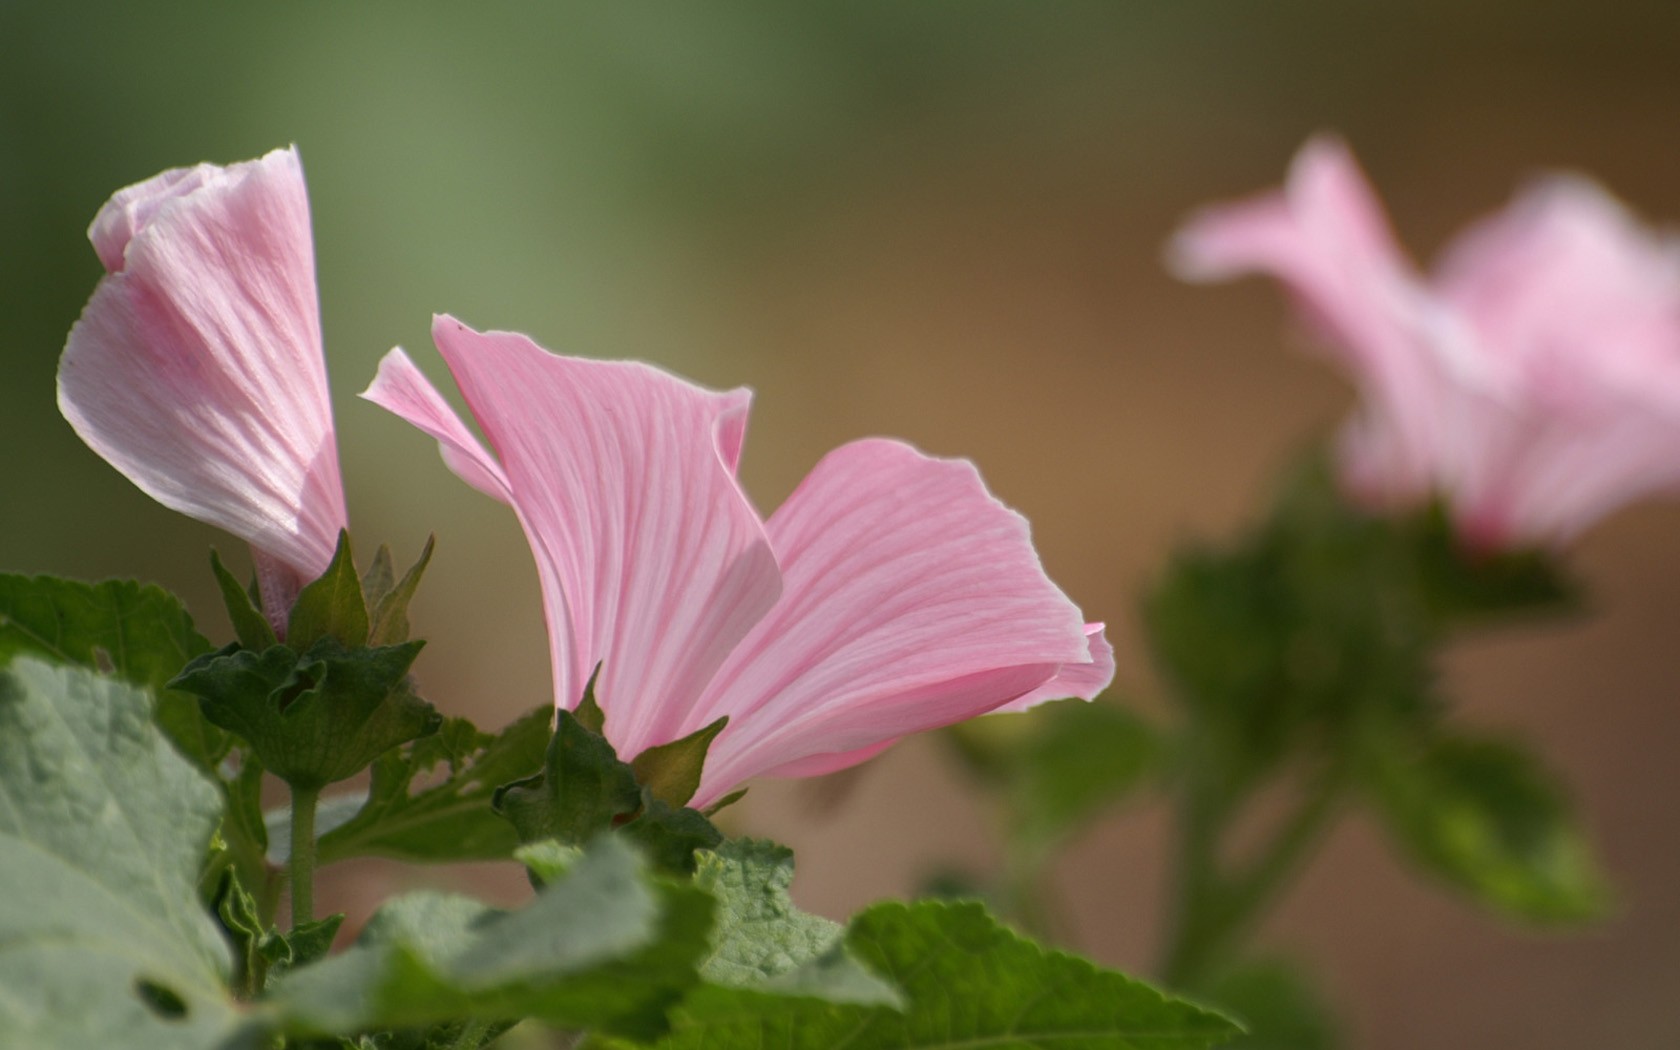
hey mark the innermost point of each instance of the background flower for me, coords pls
(1534, 382)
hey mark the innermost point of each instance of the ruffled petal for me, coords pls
(1081, 681)
(912, 599)
(653, 563)
(196, 368)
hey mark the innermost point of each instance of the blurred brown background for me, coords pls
(940, 221)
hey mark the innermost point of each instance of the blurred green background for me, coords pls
(940, 221)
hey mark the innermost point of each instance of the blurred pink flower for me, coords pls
(196, 368)
(890, 593)
(1534, 382)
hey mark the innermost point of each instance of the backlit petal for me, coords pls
(653, 563)
(912, 599)
(196, 368)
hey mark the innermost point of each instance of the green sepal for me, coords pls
(671, 772)
(1485, 816)
(584, 789)
(250, 626)
(588, 711)
(449, 820)
(389, 622)
(317, 718)
(331, 606)
(724, 803)
(669, 834)
(380, 577)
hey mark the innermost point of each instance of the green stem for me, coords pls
(472, 1035)
(302, 865)
(1029, 895)
(1215, 907)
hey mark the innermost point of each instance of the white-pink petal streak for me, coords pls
(890, 593)
(196, 369)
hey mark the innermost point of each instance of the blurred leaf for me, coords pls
(451, 820)
(1275, 1004)
(1296, 634)
(1485, 816)
(103, 828)
(316, 718)
(140, 633)
(762, 940)
(967, 982)
(1463, 587)
(1081, 758)
(605, 946)
(332, 606)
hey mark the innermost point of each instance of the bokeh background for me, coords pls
(940, 221)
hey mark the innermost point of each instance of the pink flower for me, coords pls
(890, 593)
(1534, 382)
(196, 367)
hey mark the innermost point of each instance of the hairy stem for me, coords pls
(302, 865)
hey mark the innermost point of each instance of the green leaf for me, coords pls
(968, 982)
(446, 821)
(671, 772)
(1276, 1006)
(763, 940)
(1485, 816)
(605, 946)
(250, 626)
(331, 606)
(103, 828)
(140, 633)
(582, 790)
(389, 624)
(317, 718)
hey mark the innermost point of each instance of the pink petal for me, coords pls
(653, 563)
(1325, 238)
(1081, 681)
(196, 368)
(912, 599)
(401, 388)
(1566, 287)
